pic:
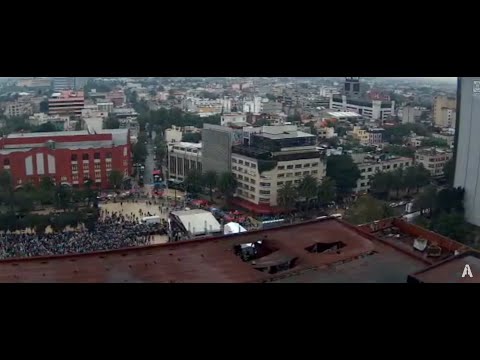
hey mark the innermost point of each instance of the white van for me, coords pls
(151, 220)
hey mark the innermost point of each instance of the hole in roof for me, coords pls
(254, 250)
(326, 248)
(44, 262)
(274, 264)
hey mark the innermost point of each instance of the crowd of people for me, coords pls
(112, 231)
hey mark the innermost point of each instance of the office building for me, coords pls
(444, 111)
(68, 157)
(174, 134)
(370, 165)
(63, 83)
(183, 157)
(433, 159)
(217, 142)
(66, 103)
(105, 106)
(408, 115)
(375, 136)
(270, 159)
(62, 123)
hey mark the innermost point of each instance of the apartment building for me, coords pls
(66, 103)
(433, 159)
(106, 106)
(182, 158)
(18, 108)
(361, 135)
(370, 165)
(274, 157)
(444, 111)
(370, 109)
(375, 136)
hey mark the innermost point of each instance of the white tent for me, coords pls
(233, 228)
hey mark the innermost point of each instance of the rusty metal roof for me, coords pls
(213, 259)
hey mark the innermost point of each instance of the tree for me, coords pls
(451, 225)
(367, 209)
(6, 183)
(112, 123)
(62, 197)
(398, 182)
(307, 190)
(115, 179)
(271, 97)
(426, 200)
(326, 191)
(193, 181)
(160, 149)
(287, 196)
(449, 171)
(345, 173)
(227, 185)
(140, 151)
(192, 137)
(47, 184)
(381, 184)
(47, 127)
(210, 180)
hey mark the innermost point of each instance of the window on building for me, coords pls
(288, 182)
(406, 164)
(280, 183)
(388, 166)
(240, 177)
(281, 167)
(264, 192)
(306, 165)
(251, 196)
(96, 156)
(264, 184)
(239, 192)
(253, 166)
(401, 165)
(84, 156)
(240, 162)
(264, 200)
(369, 169)
(74, 167)
(314, 172)
(362, 184)
(97, 167)
(247, 163)
(234, 160)
(75, 177)
(98, 174)
(234, 168)
(377, 168)
(394, 166)
(362, 171)
(252, 181)
(298, 166)
(109, 155)
(314, 164)
(252, 188)
(281, 175)
(289, 174)
(298, 173)
(431, 166)
(289, 166)
(73, 157)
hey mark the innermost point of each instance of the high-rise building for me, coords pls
(467, 149)
(444, 111)
(352, 86)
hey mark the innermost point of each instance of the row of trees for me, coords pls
(195, 181)
(443, 212)
(383, 184)
(308, 193)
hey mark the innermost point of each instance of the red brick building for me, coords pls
(67, 157)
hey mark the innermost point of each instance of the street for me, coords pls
(149, 166)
